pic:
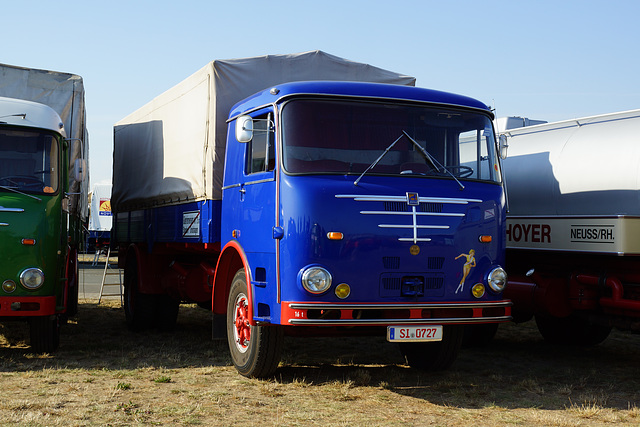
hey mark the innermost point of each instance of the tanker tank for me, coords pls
(573, 253)
(588, 166)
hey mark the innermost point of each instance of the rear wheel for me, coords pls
(255, 350)
(435, 356)
(166, 311)
(138, 307)
(44, 333)
(572, 330)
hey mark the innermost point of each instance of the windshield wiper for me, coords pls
(434, 163)
(437, 165)
(20, 192)
(372, 165)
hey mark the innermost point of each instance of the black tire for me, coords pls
(138, 307)
(72, 297)
(44, 332)
(437, 355)
(572, 330)
(255, 350)
(479, 335)
(166, 312)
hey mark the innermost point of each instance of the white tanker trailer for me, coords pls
(573, 229)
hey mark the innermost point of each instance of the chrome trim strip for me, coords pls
(410, 213)
(442, 227)
(388, 322)
(260, 181)
(413, 213)
(361, 198)
(3, 209)
(333, 306)
(231, 186)
(2, 224)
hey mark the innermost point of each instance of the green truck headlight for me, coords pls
(32, 278)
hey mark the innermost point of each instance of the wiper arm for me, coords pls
(372, 165)
(20, 192)
(431, 159)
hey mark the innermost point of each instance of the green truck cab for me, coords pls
(40, 223)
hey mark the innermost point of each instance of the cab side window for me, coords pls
(260, 151)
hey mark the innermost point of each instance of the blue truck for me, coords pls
(306, 194)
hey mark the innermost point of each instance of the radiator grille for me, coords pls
(391, 262)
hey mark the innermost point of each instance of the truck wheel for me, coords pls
(72, 297)
(138, 308)
(572, 330)
(44, 333)
(255, 350)
(479, 335)
(166, 312)
(435, 356)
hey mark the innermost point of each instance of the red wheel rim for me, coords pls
(242, 330)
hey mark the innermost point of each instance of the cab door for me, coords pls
(254, 199)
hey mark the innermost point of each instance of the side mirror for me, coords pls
(503, 146)
(79, 168)
(244, 129)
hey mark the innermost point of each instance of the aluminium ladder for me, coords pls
(109, 272)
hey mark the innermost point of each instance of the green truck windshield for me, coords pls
(28, 161)
(349, 137)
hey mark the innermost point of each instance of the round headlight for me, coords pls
(497, 279)
(316, 280)
(32, 278)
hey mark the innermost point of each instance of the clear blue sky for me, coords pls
(549, 60)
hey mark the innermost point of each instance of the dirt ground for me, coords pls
(105, 375)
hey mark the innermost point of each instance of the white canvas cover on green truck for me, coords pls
(64, 93)
(172, 149)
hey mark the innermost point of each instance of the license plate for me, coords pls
(414, 333)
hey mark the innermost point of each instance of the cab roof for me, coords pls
(19, 112)
(379, 91)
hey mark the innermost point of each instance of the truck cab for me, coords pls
(38, 269)
(352, 208)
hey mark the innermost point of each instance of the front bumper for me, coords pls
(348, 314)
(27, 306)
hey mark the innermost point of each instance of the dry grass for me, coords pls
(105, 375)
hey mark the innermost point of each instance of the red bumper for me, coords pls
(27, 306)
(342, 314)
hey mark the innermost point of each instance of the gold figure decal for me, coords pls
(466, 269)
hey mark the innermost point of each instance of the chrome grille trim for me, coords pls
(415, 212)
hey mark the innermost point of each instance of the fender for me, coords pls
(232, 258)
(143, 261)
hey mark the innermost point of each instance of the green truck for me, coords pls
(43, 198)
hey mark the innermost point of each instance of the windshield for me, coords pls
(28, 161)
(349, 137)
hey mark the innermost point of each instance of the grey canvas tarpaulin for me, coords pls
(64, 93)
(172, 149)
